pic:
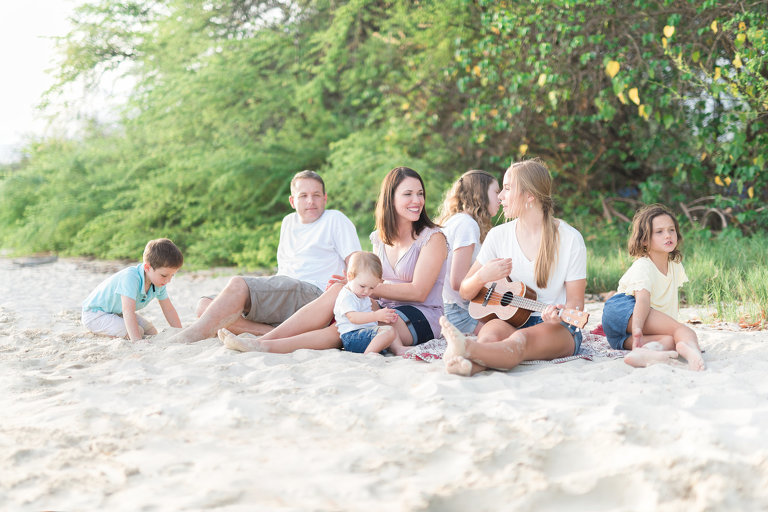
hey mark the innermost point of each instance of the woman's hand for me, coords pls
(386, 315)
(551, 314)
(495, 270)
(336, 279)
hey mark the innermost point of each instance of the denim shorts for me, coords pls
(616, 313)
(575, 331)
(417, 323)
(459, 317)
(358, 341)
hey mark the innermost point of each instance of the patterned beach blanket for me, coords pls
(594, 345)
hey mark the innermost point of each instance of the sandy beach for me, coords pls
(91, 423)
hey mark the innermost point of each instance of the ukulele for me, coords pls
(513, 301)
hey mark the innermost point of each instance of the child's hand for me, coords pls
(386, 315)
(496, 269)
(336, 279)
(637, 338)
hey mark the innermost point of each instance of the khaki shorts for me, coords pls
(275, 298)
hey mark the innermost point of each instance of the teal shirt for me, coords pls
(108, 295)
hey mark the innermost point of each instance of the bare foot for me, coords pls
(693, 356)
(456, 342)
(458, 365)
(242, 343)
(202, 330)
(642, 357)
(455, 348)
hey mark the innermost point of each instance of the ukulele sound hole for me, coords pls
(506, 300)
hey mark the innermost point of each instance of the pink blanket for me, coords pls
(594, 345)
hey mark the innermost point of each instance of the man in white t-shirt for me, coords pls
(315, 244)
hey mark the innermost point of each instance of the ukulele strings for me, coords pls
(495, 298)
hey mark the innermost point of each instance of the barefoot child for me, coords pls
(646, 302)
(111, 308)
(355, 318)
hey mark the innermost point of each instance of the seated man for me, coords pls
(315, 244)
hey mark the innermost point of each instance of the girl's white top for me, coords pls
(571, 263)
(461, 230)
(644, 275)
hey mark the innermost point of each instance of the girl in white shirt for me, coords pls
(465, 217)
(539, 250)
(642, 315)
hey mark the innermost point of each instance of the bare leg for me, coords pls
(225, 309)
(642, 357)
(315, 315)
(320, 339)
(640, 339)
(687, 345)
(686, 342)
(383, 339)
(241, 343)
(541, 341)
(239, 326)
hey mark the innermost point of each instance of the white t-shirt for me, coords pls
(314, 252)
(571, 264)
(461, 230)
(645, 275)
(347, 301)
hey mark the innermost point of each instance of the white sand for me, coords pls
(89, 423)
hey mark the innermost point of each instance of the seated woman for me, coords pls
(545, 254)
(466, 215)
(413, 253)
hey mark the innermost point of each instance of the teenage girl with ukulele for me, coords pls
(544, 253)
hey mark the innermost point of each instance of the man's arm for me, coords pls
(129, 316)
(170, 313)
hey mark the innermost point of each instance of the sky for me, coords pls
(26, 51)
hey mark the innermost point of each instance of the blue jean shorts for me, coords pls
(575, 331)
(358, 341)
(417, 323)
(616, 313)
(459, 317)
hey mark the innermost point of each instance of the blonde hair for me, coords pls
(361, 261)
(469, 194)
(642, 229)
(533, 177)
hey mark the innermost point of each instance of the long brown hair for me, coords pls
(386, 216)
(469, 194)
(533, 177)
(642, 229)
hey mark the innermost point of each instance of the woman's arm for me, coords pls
(574, 294)
(480, 274)
(462, 260)
(425, 274)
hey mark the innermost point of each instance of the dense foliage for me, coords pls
(657, 100)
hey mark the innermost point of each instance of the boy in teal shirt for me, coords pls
(111, 308)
